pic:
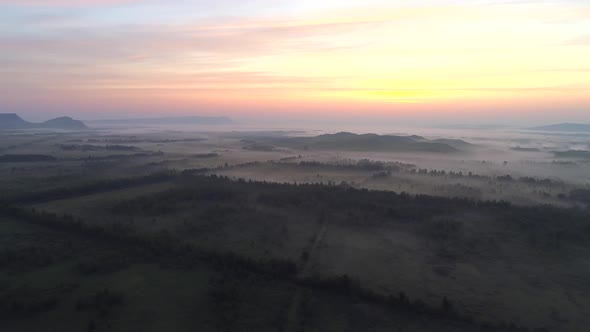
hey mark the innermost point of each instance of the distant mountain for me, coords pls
(183, 120)
(365, 142)
(566, 127)
(64, 122)
(13, 121)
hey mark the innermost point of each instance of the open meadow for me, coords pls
(289, 234)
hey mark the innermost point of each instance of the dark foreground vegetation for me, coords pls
(63, 265)
(18, 158)
(106, 231)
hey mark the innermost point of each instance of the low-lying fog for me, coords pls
(517, 152)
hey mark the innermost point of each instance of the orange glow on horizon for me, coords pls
(380, 57)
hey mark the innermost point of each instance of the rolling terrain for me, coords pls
(13, 121)
(364, 142)
(99, 227)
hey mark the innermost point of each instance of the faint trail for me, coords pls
(319, 237)
(292, 315)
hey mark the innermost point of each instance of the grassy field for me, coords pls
(493, 270)
(152, 297)
(139, 237)
(67, 282)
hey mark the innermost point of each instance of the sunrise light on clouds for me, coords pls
(288, 58)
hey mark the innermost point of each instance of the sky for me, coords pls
(445, 61)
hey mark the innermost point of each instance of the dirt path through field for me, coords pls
(292, 315)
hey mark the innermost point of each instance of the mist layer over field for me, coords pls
(434, 229)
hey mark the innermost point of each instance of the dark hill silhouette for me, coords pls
(456, 143)
(13, 121)
(64, 122)
(364, 142)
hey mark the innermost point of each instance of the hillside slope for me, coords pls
(13, 121)
(364, 142)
